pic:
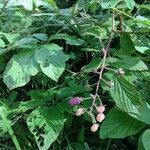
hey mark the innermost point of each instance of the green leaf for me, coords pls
(49, 121)
(109, 3)
(140, 144)
(143, 75)
(29, 105)
(71, 90)
(130, 63)
(38, 98)
(11, 37)
(3, 127)
(9, 128)
(143, 21)
(93, 65)
(142, 49)
(119, 124)
(123, 89)
(126, 43)
(26, 42)
(51, 60)
(145, 139)
(144, 110)
(128, 99)
(27, 4)
(96, 31)
(71, 40)
(130, 3)
(145, 6)
(2, 43)
(20, 69)
(3, 51)
(52, 4)
(40, 36)
(126, 96)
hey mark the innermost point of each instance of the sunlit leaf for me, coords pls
(96, 31)
(130, 63)
(145, 139)
(119, 124)
(51, 60)
(109, 3)
(93, 65)
(71, 40)
(20, 69)
(128, 99)
(45, 125)
(2, 43)
(130, 3)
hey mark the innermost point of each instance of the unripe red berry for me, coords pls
(94, 127)
(101, 108)
(79, 111)
(100, 117)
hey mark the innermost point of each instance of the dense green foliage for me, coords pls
(52, 51)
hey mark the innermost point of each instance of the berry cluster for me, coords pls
(99, 118)
(99, 110)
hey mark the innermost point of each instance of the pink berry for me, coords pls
(100, 117)
(101, 108)
(79, 111)
(94, 127)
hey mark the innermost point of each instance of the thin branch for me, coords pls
(134, 32)
(121, 12)
(105, 50)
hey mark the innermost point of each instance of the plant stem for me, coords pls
(10, 131)
(124, 13)
(134, 32)
(108, 145)
(105, 51)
